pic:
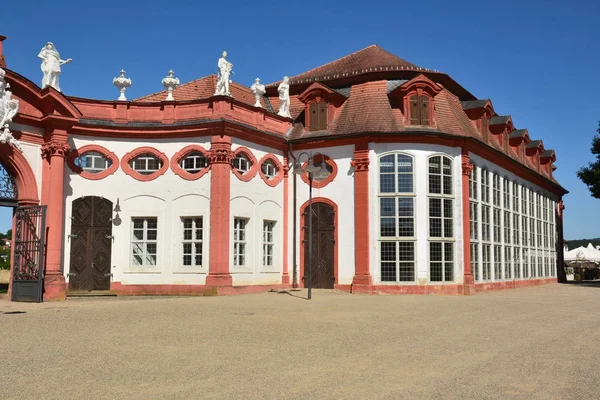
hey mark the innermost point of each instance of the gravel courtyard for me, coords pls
(533, 343)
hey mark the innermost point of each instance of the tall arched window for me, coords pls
(474, 221)
(441, 220)
(486, 273)
(396, 218)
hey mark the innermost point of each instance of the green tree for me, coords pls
(590, 175)
(4, 258)
(8, 234)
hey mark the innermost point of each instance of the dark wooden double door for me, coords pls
(323, 246)
(91, 242)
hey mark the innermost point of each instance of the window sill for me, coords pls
(190, 271)
(143, 271)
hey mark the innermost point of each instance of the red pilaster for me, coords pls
(2, 59)
(467, 167)
(285, 278)
(360, 161)
(220, 156)
(55, 150)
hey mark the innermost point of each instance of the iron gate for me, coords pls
(28, 262)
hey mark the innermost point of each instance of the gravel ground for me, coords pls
(532, 343)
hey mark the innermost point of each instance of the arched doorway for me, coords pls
(28, 228)
(324, 244)
(91, 244)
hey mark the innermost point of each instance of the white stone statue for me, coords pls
(225, 70)
(259, 90)
(284, 98)
(8, 109)
(122, 83)
(51, 63)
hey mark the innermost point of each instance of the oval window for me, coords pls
(145, 164)
(93, 162)
(193, 163)
(241, 163)
(269, 169)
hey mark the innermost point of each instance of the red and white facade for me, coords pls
(430, 191)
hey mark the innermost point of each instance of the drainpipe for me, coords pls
(294, 227)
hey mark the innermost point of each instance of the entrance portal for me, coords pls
(91, 243)
(323, 246)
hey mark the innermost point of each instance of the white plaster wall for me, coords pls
(257, 201)
(341, 192)
(420, 154)
(168, 197)
(32, 152)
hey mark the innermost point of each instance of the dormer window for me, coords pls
(318, 116)
(420, 113)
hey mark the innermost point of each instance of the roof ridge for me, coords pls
(341, 58)
(178, 86)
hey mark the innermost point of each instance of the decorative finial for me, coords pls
(122, 84)
(170, 83)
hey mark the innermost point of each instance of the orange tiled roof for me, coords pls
(365, 60)
(203, 88)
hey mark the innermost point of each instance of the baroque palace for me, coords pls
(417, 186)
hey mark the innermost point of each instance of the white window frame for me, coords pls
(269, 243)
(241, 162)
(93, 155)
(444, 240)
(196, 157)
(399, 241)
(241, 243)
(143, 158)
(144, 241)
(269, 169)
(193, 242)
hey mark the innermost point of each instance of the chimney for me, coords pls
(2, 60)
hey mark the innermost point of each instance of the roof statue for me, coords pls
(225, 70)
(8, 109)
(51, 65)
(284, 98)
(258, 89)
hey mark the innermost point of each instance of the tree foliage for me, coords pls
(590, 175)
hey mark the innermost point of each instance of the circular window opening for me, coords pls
(145, 164)
(241, 163)
(193, 163)
(269, 169)
(93, 162)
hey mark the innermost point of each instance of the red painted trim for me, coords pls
(360, 162)
(220, 157)
(55, 150)
(141, 150)
(27, 137)
(278, 177)
(188, 290)
(285, 278)
(251, 173)
(303, 238)
(18, 166)
(318, 159)
(475, 146)
(177, 157)
(73, 154)
(467, 167)
(493, 286)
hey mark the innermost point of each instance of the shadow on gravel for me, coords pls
(595, 283)
(13, 312)
(289, 293)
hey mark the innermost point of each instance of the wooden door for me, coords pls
(91, 242)
(323, 242)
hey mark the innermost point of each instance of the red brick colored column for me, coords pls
(467, 167)
(219, 156)
(362, 281)
(55, 151)
(285, 278)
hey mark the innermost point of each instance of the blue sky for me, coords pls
(537, 60)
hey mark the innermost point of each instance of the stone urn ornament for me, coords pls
(170, 83)
(122, 83)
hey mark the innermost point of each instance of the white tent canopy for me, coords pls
(581, 253)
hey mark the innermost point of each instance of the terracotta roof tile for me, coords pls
(450, 116)
(369, 58)
(203, 88)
